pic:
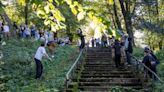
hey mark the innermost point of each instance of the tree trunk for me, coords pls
(161, 43)
(26, 14)
(113, 19)
(127, 19)
(116, 16)
(70, 35)
(6, 19)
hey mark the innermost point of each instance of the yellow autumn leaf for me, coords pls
(75, 3)
(51, 1)
(69, 2)
(74, 11)
(46, 8)
(81, 15)
(40, 13)
(110, 1)
(46, 22)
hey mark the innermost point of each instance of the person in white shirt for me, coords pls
(6, 31)
(40, 53)
(27, 32)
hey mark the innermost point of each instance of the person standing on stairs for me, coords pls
(147, 61)
(116, 53)
(80, 34)
(104, 40)
(93, 42)
(128, 49)
(153, 59)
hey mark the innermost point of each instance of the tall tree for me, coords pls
(125, 8)
(116, 16)
(26, 13)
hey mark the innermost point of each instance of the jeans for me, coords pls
(39, 68)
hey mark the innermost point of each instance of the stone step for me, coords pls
(107, 75)
(109, 69)
(99, 65)
(101, 88)
(98, 59)
(98, 69)
(98, 62)
(107, 72)
(110, 84)
(108, 80)
(99, 54)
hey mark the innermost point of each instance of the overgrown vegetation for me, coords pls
(18, 67)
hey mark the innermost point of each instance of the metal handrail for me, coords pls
(160, 80)
(73, 66)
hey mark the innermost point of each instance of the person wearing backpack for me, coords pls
(147, 61)
(154, 60)
(116, 53)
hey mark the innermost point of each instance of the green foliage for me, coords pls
(18, 67)
(138, 52)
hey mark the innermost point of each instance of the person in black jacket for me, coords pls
(117, 53)
(80, 34)
(147, 62)
(153, 58)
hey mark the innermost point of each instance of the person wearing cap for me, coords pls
(153, 58)
(40, 53)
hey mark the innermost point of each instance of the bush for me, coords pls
(138, 52)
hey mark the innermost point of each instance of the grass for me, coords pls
(18, 67)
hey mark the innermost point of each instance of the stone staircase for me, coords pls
(99, 73)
